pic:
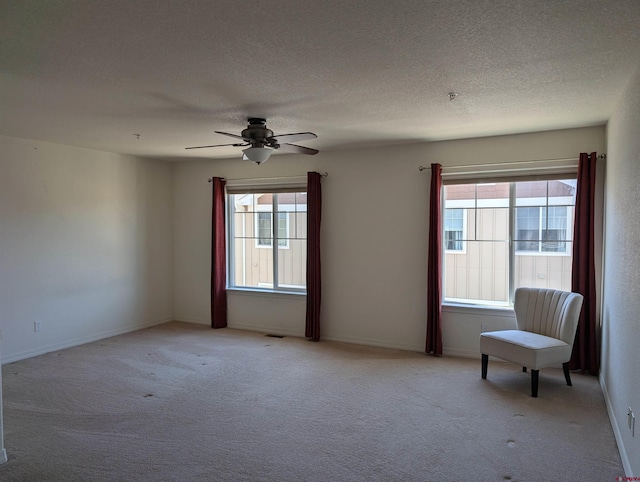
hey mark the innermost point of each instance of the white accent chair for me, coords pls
(547, 321)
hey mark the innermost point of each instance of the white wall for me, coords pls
(374, 248)
(85, 245)
(620, 372)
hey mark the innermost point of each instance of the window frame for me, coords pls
(512, 252)
(273, 208)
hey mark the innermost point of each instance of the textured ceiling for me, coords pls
(93, 73)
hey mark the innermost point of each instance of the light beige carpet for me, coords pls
(184, 402)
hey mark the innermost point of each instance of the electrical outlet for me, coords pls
(37, 326)
(631, 422)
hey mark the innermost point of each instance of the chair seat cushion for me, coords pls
(525, 348)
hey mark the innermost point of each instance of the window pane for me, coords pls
(543, 203)
(453, 229)
(283, 229)
(253, 267)
(292, 209)
(292, 265)
(542, 232)
(481, 275)
(531, 193)
(554, 229)
(460, 192)
(492, 224)
(462, 196)
(527, 234)
(494, 194)
(540, 271)
(242, 219)
(264, 229)
(300, 225)
(562, 193)
(301, 200)
(453, 219)
(251, 230)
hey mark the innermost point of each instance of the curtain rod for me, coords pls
(505, 164)
(323, 174)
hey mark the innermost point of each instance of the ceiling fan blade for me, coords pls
(219, 145)
(300, 136)
(297, 149)
(230, 135)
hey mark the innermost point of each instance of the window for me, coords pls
(513, 234)
(541, 229)
(253, 263)
(453, 229)
(265, 229)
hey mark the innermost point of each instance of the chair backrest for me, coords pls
(548, 312)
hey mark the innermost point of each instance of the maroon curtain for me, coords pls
(434, 273)
(583, 277)
(218, 257)
(314, 211)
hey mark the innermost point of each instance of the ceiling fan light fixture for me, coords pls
(258, 154)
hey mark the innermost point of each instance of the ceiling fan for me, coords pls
(262, 142)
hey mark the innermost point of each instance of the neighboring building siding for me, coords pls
(539, 271)
(259, 259)
(481, 270)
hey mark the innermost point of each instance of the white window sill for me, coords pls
(252, 292)
(449, 307)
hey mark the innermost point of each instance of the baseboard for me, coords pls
(265, 329)
(374, 342)
(341, 339)
(616, 429)
(260, 328)
(193, 319)
(81, 341)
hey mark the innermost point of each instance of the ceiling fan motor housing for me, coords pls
(257, 133)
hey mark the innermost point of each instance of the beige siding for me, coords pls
(258, 260)
(539, 271)
(481, 271)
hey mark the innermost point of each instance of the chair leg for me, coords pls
(534, 383)
(567, 377)
(485, 363)
(524, 369)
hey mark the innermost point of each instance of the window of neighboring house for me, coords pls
(454, 227)
(542, 229)
(265, 229)
(253, 263)
(514, 234)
